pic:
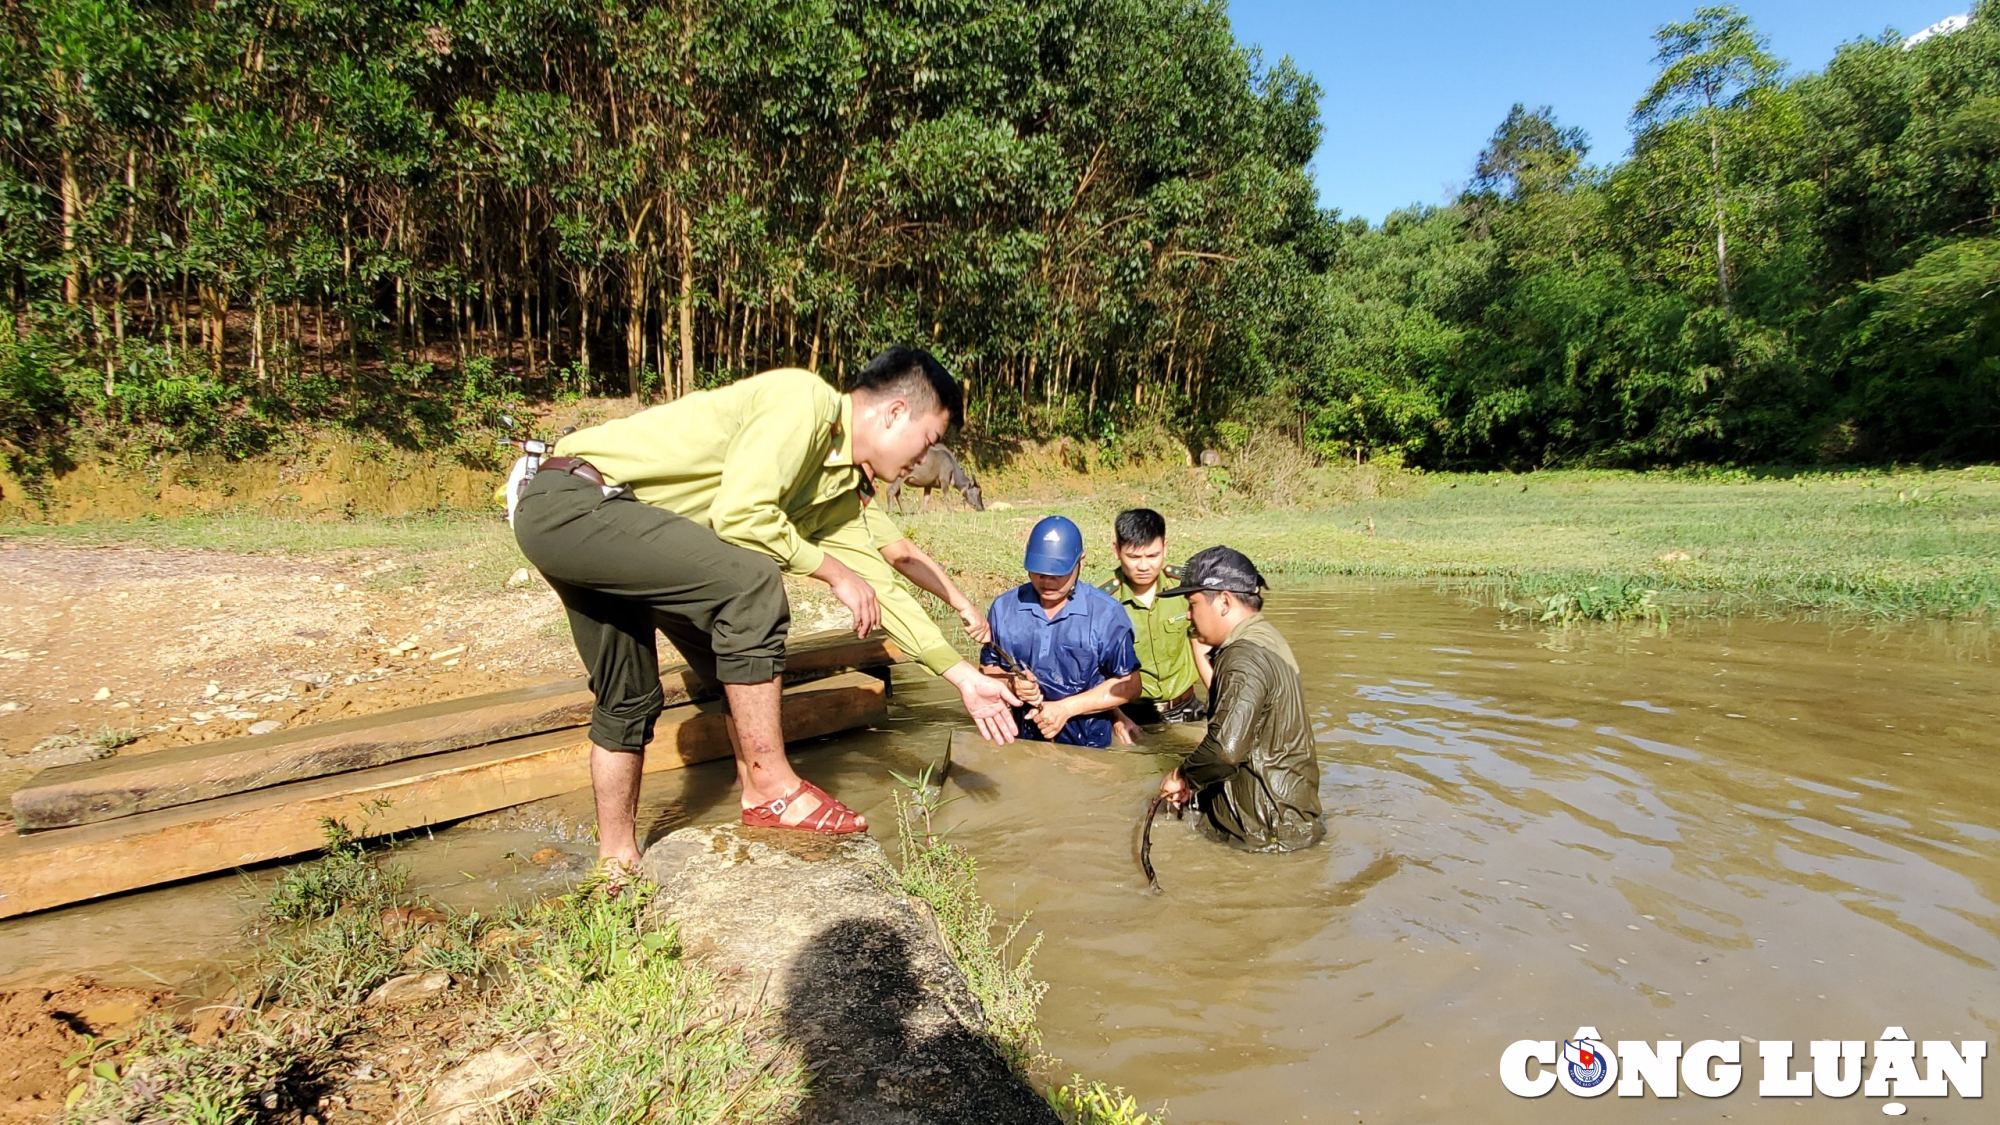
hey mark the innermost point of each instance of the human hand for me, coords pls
(1124, 731)
(1175, 789)
(1027, 687)
(1051, 717)
(989, 703)
(853, 592)
(975, 624)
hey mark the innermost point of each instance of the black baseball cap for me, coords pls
(1216, 569)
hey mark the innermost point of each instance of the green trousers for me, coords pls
(624, 569)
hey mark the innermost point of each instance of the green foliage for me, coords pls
(644, 1023)
(35, 407)
(219, 221)
(346, 878)
(233, 216)
(1094, 1103)
(1613, 601)
(333, 949)
(260, 1072)
(1790, 271)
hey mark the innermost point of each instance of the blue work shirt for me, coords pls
(1086, 643)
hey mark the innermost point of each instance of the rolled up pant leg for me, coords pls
(622, 568)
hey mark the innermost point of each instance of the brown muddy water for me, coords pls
(1745, 829)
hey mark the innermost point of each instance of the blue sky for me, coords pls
(1414, 90)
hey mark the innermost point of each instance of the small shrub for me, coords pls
(346, 877)
(1094, 1103)
(1612, 601)
(258, 1073)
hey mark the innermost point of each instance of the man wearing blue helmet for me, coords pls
(1066, 648)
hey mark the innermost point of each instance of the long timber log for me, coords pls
(43, 870)
(66, 796)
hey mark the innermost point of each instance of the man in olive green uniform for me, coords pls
(684, 516)
(1255, 777)
(1172, 664)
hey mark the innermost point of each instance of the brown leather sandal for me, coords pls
(831, 818)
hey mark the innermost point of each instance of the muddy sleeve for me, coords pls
(902, 617)
(1239, 693)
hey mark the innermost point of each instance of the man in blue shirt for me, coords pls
(1067, 648)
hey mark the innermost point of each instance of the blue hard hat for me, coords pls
(1055, 546)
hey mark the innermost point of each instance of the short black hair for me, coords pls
(1137, 527)
(916, 376)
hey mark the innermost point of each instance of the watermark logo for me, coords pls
(1587, 1066)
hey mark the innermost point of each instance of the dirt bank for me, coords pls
(49, 1033)
(129, 649)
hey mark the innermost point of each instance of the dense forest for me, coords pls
(223, 219)
(244, 212)
(1793, 271)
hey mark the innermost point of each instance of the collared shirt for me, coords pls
(1161, 635)
(1087, 642)
(767, 463)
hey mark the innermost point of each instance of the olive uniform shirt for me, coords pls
(767, 463)
(1161, 632)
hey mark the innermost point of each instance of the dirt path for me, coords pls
(128, 649)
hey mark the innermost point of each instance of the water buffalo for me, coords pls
(939, 469)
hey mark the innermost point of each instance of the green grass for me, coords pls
(641, 1033)
(1887, 544)
(947, 877)
(648, 1039)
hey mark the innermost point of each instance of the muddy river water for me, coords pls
(1745, 829)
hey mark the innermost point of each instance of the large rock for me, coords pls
(817, 928)
(410, 988)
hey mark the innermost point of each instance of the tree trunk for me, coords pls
(686, 310)
(1721, 239)
(72, 203)
(635, 325)
(583, 288)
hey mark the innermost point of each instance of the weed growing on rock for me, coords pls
(644, 1037)
(947, 877)
(1094, 1103)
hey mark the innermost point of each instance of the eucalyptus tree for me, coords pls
(1711, 69)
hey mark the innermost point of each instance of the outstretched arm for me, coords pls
(913, 563)
(986, 700)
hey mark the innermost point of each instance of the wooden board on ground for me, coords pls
(66, 796)
(49, 869)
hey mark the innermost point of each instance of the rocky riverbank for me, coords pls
(855, 970)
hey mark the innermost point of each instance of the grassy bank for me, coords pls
(602, 1017)
(1886, 544)
(1892, 544)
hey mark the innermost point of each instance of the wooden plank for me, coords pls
(49, 869)
(66, 796)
